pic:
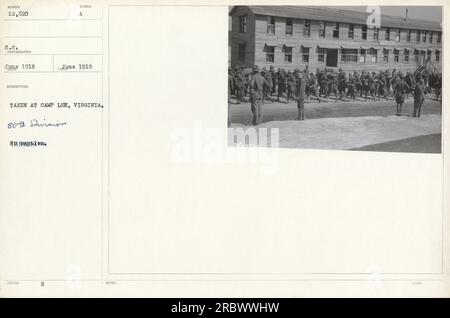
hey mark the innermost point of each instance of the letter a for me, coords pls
(374, 19)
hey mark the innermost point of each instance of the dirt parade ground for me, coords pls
(345, 125)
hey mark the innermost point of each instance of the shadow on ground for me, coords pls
(421, 144)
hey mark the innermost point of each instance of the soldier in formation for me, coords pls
(400, 90)
(326, 82)
(285, 85)
(419, 97)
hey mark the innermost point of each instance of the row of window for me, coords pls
(390, 34)
(347, 55)
(351, 55)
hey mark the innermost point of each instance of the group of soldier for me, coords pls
(260, 85)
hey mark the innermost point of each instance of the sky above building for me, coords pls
(431, 13)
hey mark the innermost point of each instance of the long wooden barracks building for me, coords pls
(298, 37)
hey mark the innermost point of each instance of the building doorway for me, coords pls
(332, 57)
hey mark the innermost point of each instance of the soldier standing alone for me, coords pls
(256, 87)
(300, 92)
(399, 89)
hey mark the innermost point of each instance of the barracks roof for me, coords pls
(340, 15)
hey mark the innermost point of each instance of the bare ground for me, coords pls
(278, 111)
(369, 126)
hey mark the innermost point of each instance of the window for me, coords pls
(385, 55)
(288, 54)
(417, 36)
(336, 30)
(364, 32)
(424, 37)
(373, 54)
(305, 54)
(289, 26)
(408, 36)
(375, 33)
(387, 35)
(270, 54)
(397, 36)
(351, 31)
(422, 56)
(243, 24)
(406, 56)
(438, 55)
(439, 37)
(349, 55)
(396, 55)
(429, 55)
(430, 37)
(242, 51)
(271, 25)
(321, 29)
(416, 56)
(362, 56)
(307, 28)
(321, 55)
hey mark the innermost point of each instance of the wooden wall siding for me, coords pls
(381, 34)
(403, 35)
(329, 30)
(343, 31)
(259, 37)
(248, 38)
(343, 16)
(297, 27)
(357, 33)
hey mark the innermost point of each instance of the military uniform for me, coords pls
(358, 85)
(273, 76)
(372, 86)
(239, 83)
(290, 86)
(312, 86)
(281, 83)
(268, 87)
(321, 79)
(332, 85)
(230, 86)
(399, 89)
(419, 98)
(256, 86)
(300, 92)
(230, 89)
(438, 86)
(342, 83)
(382, 86)
(351, 87)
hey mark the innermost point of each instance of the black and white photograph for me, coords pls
(346, 78)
